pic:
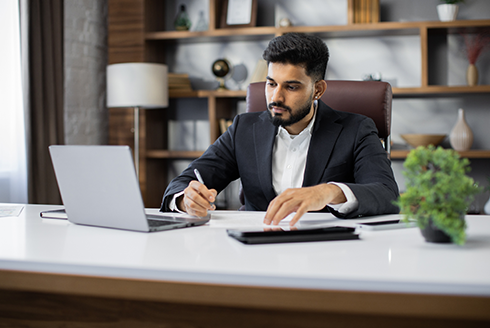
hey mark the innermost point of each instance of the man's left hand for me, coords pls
(302, 200)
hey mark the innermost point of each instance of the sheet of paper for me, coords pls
(10, 210)
(252, 220)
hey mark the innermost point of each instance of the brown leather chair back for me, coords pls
(370, 98)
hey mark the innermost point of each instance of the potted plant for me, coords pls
(448, 10)
(438, 193)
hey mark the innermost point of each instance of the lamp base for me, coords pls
(136, 147)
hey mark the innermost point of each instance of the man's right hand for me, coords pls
(197, 199)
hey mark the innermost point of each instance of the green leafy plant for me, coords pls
(438, 189)
(452, 2)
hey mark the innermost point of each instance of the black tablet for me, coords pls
(291, 236)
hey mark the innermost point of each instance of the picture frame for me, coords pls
(239, 13)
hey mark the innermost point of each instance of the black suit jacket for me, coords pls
(344, 148)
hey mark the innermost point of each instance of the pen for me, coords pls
(199, 178)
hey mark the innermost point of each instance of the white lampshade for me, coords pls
(137, 85)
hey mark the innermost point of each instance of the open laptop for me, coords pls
(99, 187)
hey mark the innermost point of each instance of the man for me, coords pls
(298, 155)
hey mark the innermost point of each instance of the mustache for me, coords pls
(280, 105)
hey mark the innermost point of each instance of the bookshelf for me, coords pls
(137, 33)
(471, 154)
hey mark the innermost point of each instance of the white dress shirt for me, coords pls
(288, 167)
(289, 163)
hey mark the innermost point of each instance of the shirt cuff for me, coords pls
(350, 205)
(173, 203)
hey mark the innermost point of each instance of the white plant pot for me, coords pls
(447, 12)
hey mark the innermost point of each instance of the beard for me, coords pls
(300, 114)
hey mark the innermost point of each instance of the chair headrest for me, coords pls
(370, 98)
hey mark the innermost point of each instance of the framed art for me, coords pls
(239, 13)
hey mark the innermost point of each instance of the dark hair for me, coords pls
(301, 49)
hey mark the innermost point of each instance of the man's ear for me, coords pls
(320, 88)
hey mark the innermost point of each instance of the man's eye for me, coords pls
(271, 84)
(292, 87)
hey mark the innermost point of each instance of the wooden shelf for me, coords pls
(397, 92)
(440, 89)
(217, 34)
(267, 32)
(395, 154)
(473, 154)
(208, 93)
(176, 154)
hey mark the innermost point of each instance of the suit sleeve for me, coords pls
(374, 184)
(217, 167)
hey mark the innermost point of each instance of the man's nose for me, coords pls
(278, 95)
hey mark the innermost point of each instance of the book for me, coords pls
(375, 11)
(224, 124)
(365, 11)
(350, 12)
(363, 6)
(54, 214)
(260, 72)
(357, 12)
(179, 81)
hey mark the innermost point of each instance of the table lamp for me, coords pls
(137, 85)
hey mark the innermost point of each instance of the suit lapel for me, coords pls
(264, 135)
(325, 135)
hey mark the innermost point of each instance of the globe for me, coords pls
(221, 68)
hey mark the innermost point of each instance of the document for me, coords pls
(155, 213)
(10, 210)
(245, 219)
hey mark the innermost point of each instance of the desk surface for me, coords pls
(397, 261)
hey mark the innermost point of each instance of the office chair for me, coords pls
(369, 98)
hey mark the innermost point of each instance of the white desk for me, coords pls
(393, 274)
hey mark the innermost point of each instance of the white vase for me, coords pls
(486, 208)
(447, 12)
(461, 137)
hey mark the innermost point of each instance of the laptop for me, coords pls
(99, 187)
